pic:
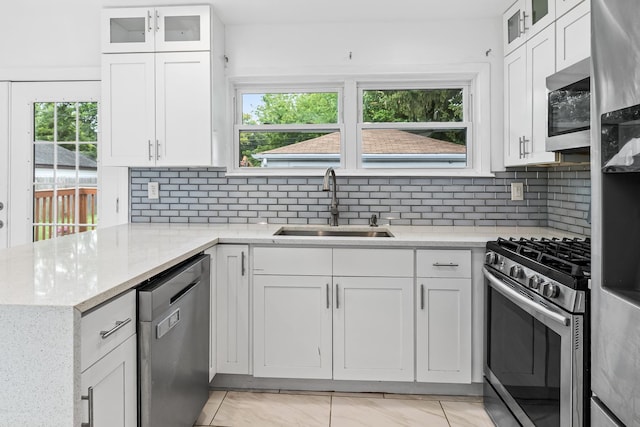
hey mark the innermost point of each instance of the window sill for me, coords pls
(262, 172)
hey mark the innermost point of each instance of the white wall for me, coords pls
(375, 47)
(49, 34)
(323, 49)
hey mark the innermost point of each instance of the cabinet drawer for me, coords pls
(292, 261)
(95, 339)
(373, 262)
(444, 263)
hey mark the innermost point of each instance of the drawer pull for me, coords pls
(119, 324)
(445, 264)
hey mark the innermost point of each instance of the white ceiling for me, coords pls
(301, 11)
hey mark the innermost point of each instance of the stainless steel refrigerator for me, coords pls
(615, 173)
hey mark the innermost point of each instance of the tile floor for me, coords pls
(327, 409)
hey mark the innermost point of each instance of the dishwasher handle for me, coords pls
(182, 292)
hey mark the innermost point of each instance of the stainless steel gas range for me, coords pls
(537, 331)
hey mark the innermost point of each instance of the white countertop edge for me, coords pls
(142, 238)
(117, 290)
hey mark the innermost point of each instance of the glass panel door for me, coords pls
(53, 159)
(65, 175)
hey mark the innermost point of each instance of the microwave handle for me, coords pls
(523, 300)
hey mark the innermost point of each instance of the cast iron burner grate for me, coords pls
(571, 256)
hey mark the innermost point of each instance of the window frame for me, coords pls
(476, 77)
(421, 85)
(239, 127)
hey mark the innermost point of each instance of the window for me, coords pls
(413, 128)
(414, 125)
(65, 168)
(289, 129)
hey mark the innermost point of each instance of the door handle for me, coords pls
(337, 296)
(421, 296)
(242, 263)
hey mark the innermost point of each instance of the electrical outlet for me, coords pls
(153, 190)
(517, 191)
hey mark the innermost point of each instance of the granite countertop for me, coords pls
(83, 270)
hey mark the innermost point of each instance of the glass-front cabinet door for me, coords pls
(128, 30)
(513, 26)
(182, 28)
(162, 29)
(540, 13)
(524, 19)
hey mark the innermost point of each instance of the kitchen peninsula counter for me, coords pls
(45, 287)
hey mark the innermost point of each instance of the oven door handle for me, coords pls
(506, 290)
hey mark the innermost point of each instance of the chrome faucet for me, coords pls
(334, 200)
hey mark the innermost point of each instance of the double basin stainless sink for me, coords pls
(329, 231)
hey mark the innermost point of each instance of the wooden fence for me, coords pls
(43, 204)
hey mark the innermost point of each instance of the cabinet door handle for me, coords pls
(157, 150)
(328, 300)
(149, 24)
(524, 146)
(523, 20)
(337, 296)
(445, 264)
(520, 147)
(157, 21)
(89, 398)
(242, 263)
(119, 325)
(421, 296)
(150, 155)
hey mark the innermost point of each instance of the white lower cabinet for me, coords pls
(443, 319)
(310, 322)
(373, 328)
(109, 378)
(232, 309)
(292, 326)
(109, 388)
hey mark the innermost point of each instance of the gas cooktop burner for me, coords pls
(567, 260)
(572, 256)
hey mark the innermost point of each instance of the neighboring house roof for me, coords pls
(375, 141)
(43, 158)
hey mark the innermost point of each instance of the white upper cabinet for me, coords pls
(524, 19)
(525, 75)
(573, 36)
(156, 109)
(540, 65)
(161, 29)
(563, 6)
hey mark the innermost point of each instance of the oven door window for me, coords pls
(524, 355)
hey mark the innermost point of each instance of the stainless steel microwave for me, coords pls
(569, 109)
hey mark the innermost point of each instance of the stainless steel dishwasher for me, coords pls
(173, 345)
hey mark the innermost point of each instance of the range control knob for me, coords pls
(550, 290)
(516, 272)
(491, 258)
(535, 282)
